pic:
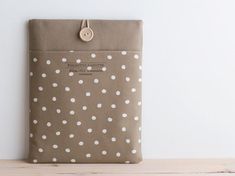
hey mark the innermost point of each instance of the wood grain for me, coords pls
(164, 167)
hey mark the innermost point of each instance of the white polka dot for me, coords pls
(72, 112)
(88, 94)
(64, 59)
(96, 142)
(64, 122)
(133, 151)
(57, 133)
(78, 61)
(58, 111)
(73, 160)
(140, 67)
(44, 108)
(118, 92)
(93, 55)
(67, 89)
(81, 143)
(99, 105)
(123, 67)
(140, 128)
(67, 150)
(80, 81)
(88, 155)
(54, 159)
(35, 161)
(55, 146)
(133, 90)
(35, 99)
(104, 152)
(136, 118)
(123, 129)
(124, 52)
(72, 100)
(79, 123)
(127, 101)
(113, 106)
(113, 77)
(30, 135)
(30, 73)
(40, 88)
(104, 91)
(35, 59)
(128, 141)
(93, 118)
(104, 131)
(113, 139)
(89, 68)
(54, 85)
(109, 57)
(109, 119)
(89, 130)
(71, 73)
(71, 136)
(96, 81)
(40, 150)
(118, 154)
(84, 108)
(104, 68)
(127, 162)
(71, 51)
(48, 124)
(57, 71)
(139, 103)
(127, 79)
(44, 137)
(35, 121)
(44, 75)
(136, 56)
(53, 98)
(48, 62)
(124, 115)
(139, 140)
(140, 80)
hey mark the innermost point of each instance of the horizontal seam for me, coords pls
(71, 51)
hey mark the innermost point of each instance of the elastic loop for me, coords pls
(85, 23)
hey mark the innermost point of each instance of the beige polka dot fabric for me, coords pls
(85, 106)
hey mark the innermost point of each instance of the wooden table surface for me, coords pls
(165, 167)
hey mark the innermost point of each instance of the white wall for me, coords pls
(188, 80)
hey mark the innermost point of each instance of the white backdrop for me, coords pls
(188, 71)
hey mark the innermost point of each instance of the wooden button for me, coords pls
(86, 34)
